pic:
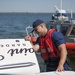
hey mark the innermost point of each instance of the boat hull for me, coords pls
(71, 48)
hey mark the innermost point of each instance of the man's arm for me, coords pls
(35, 46)
(59, 42)
(63, 56)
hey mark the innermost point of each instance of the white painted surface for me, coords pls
(58, 73)
(17, 58)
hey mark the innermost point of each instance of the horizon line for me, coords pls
(30, 12)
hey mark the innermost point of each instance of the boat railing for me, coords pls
(29, 32)
(29, 27)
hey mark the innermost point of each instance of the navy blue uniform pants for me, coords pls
(53, 68)
(52, 64)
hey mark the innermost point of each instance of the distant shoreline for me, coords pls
(26, 12)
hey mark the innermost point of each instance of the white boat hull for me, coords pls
(18, 58)
(58, 73)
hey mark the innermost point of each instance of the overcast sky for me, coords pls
(35, 5)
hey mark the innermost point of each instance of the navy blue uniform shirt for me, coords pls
(57, 38)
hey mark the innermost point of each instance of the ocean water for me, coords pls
(13, 25)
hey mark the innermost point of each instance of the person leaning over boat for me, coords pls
(51, 44)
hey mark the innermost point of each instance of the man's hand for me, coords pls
(27, 38)
(60, 68)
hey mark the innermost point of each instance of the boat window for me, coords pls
(73, 31)
(58, 28)
(64, 29)
(50, 26)
(64, 14)
(59, 14)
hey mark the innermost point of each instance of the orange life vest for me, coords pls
(48, 49)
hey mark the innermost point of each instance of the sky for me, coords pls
(35, 5)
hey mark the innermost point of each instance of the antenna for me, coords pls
(61, 4)
(71, 15)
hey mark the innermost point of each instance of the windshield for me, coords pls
(59, 14)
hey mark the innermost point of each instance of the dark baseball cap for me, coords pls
(37, 23)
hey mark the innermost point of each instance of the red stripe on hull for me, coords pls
(71, 48)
